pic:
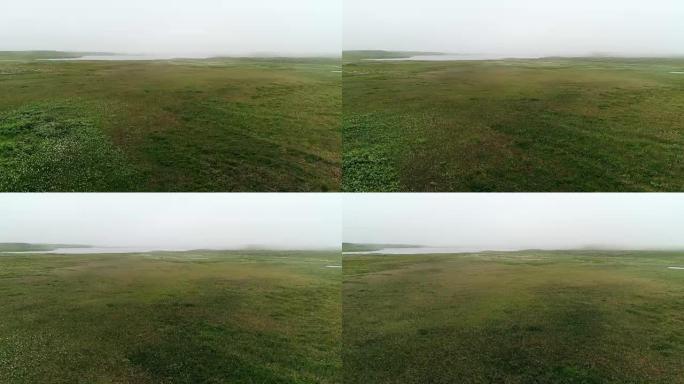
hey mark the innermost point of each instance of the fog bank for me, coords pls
(521, 28)
(517, 221)
(179, 27)
(174, 221)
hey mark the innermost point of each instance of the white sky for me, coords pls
(173, 26)
(174, 221)
(517, 221)
(517, 27)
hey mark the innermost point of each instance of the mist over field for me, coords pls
(173, 221)
(526, 28)
(204, 27)
(516, 221)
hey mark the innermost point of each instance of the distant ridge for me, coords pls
(361, 247)
(44, 55)
(29, 247)
(380, 54)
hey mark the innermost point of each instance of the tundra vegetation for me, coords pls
(514, 317)
(171, 317)
(219, 124)
(551, 124)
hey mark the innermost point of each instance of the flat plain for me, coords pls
(552, 124)
(171, 317)
(220, 124)
(571, 317)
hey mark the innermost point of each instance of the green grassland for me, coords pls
(550, 124)
(571, 317)
(223, 124)
(189, 317)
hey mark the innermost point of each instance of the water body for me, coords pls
(452, 58)
(128, 58)
(99, 250)
(426, 250)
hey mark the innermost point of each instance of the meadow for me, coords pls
(171, 317)
(219, 124)
(569, 317)
(552, 124)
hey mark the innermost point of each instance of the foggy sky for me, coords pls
(517, 27)
(517, 221)
(173, 221)
(196, 27)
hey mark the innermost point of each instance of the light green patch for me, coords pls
(46, 148)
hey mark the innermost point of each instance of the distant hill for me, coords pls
(28, 247)
(358, 247)
(268, 61)
(348, 56)
(42, 55)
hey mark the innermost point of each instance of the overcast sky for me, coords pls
(517, 221)
(174, 221)
(517, 27)
(173, 26)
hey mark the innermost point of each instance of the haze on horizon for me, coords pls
(520, 28)
(202, 27)
(174, 221)
(517, 221)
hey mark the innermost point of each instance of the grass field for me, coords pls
(579, 317)
(191, 317)
(513, 125)
(178, 125)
